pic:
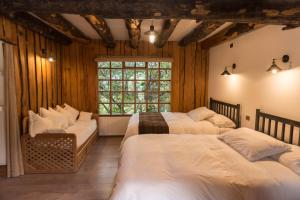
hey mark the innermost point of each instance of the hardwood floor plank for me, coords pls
(94, 180)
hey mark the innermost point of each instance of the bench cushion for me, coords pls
(83, 130)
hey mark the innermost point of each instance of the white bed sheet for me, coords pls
(197, 167)
(179, 123)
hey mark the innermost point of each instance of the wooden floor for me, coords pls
(93, 181)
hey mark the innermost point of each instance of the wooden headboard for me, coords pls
(232, 111)
(283, 129)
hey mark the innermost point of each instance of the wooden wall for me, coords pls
(189, 75)
(72, 78)
(38, 81)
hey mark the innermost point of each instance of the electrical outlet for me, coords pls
(247, 117)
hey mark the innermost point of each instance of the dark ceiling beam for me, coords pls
(255, 11)
(134, 31)
(34, 24)
(64, 26)
(167, 29)
(200, 32)
(233, 31)
(289, 27)
(101, 27)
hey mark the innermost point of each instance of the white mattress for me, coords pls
(197, 167)
(83, 130)
(179, 123)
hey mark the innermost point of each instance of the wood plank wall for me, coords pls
(72, 78)
(38, 81)
(189, 75)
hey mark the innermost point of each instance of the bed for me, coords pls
(201, 167)
(181, 123)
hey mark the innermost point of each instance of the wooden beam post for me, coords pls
(64, 26)
(231, 32)
(200, 32)
(31, 22)
(100, 25)
(167, 29)
(134, 31)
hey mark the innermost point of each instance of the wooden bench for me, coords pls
(54, 152)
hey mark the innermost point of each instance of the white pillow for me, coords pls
(290, 159)
(67, 114)
(221, 121)
(253, 145)
(37, 124)
(85, 116)
(72, 110)
(200, 114)
(59, 121)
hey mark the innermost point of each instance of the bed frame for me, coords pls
(278, 127)
(232, 111)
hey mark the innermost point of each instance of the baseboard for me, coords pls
(3, 171)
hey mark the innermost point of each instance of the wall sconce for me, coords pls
(226, 72)
(51, 58)
(274, 67)
(44, 55)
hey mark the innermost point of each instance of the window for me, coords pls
(129, 87)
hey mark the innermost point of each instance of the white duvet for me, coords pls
(179, 123)
(197, 167)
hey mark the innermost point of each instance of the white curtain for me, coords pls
(13, 142)
(2, 117)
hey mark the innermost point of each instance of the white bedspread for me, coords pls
(179, 123)
(197, 167)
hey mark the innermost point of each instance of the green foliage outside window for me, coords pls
(129, 87)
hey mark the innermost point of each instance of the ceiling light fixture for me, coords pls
(152, 34)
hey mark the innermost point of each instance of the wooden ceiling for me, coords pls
(42, 16)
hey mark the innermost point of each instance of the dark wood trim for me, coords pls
(3, 171)
(231, 32)
(167, 29)
(200, 32)
(232, 111)
(282, 12)
(134, 31)
(134, 59)
(101, 27)
(58, 22)
(29, 21)
(8, 41)
(261, 119)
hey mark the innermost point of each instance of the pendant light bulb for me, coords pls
(152, 38)
(151, 34)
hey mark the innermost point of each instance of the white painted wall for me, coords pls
(252, 86)
(2, 120)
(113, 125)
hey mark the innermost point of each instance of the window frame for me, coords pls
(135, 104)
